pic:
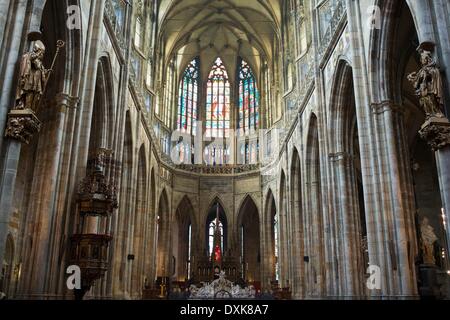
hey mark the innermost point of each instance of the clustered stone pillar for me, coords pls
(436, 132)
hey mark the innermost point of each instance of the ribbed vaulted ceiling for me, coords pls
(225, 28)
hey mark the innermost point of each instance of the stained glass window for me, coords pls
(189, 257)
(188, 98)
(212, 232)
(218, 102)
(169, 95)
(275, 236)
(248, 100)
(242, 252)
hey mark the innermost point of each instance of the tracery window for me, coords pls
(276, 243)
(188, 98)
(218, 102)
(169, 95)
(248, 100)
(248, 121)
(211, 233)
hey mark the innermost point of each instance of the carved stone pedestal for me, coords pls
(22, 125)
(436, 131)
(429, 288)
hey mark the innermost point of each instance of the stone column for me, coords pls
(436, 131)
(43, 217)
(349, 253)
(11, 56)
(266, 245)
(7, 186)
(4, 6)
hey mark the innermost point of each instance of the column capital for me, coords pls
(387, 105)
(436, 132)
(341, 157)
(64, 99)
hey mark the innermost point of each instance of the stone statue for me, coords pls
(428, 240)
(428, 85)
(32, 78)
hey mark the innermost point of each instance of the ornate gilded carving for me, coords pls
(96, 201)
(94, 192)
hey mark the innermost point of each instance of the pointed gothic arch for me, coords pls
(163, 236)
(297, 227)
(314, 214)
(248, 231)
(184, 246)
(210, 226)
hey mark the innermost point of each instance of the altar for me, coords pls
(206, 269)
(221, 288)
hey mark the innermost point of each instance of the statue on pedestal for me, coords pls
(32, 78)
(428, 85)
(428, 240)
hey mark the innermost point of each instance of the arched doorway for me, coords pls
(212, 224)
(249, 242)
(163, 235)
(183, 246)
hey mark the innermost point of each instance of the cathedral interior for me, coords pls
(299, 149)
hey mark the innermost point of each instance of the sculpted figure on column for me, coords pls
(32, 78)
(428, 240)
(428, 85)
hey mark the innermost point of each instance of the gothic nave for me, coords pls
(288, 149)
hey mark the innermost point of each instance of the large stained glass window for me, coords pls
(248, 100)
(188, 98)
(218, 102)
(248, 116)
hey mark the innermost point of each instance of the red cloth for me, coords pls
(217, 253)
